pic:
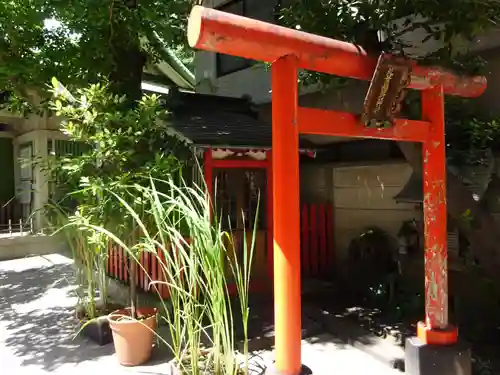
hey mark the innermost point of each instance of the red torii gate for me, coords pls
(289, 50)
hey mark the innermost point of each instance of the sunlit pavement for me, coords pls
(37, 329)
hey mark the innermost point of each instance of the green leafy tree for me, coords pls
(82, 42)
(358, 21)
(100, 50)
(124, 148)
(363, 22)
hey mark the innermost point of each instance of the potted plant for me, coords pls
(133, 327)
(94, 305)
(191, 249)
(176, 226)
(89, 253)
(128, 145)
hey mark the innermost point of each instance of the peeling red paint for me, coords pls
(434, 171)
(266, 42)
(290, 50)
(319, 121)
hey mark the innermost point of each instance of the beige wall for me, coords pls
(20, 125)
(37, 130)
(38, 139)
(254, 82)
(362, 196)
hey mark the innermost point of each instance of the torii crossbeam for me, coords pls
(289, 50)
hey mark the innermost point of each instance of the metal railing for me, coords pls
(12, 220)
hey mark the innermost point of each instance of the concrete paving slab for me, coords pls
(324, 355)
(386, 350)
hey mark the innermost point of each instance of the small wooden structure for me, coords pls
(289, 50)
(251, 174)
(235, 146)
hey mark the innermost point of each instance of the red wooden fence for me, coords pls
(317, 246)
(150, 269)
(317, 253)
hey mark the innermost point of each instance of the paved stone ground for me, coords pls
(37, 329)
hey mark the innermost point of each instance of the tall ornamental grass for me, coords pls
(89, 252)
(176, 224)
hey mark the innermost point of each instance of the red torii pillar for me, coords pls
(290, 50)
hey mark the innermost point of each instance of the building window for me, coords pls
(26, 179)
(262, 10)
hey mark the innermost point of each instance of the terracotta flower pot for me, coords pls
(133, 339)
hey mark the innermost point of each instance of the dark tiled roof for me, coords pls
(217, 121)
(210, 120)
(222, 128)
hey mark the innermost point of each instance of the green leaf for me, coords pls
(55, 83)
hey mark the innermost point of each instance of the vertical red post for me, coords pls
(269, 202)
(115, 251)
(108, 261)
(436, 329)
(304, 243)
(161, 273)
(111, 259)
(313, 250)
(329, 236)
(154, 272)
(147, 270)
(120, 263)
(140, 270)
(208, 172)
(286, 228)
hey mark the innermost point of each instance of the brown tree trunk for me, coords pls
(125, 79)
(133, 288)
(472, 218)
(127, 55)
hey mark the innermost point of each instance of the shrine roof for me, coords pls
(209, 120)
(216, 128)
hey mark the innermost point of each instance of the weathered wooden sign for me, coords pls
(386, 92)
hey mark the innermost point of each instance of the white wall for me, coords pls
(254, 82)
(39, 139)
(362, 196)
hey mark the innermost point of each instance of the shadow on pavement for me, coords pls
(37, 318)
(38, 322)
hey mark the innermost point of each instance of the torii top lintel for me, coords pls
(217, 31)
